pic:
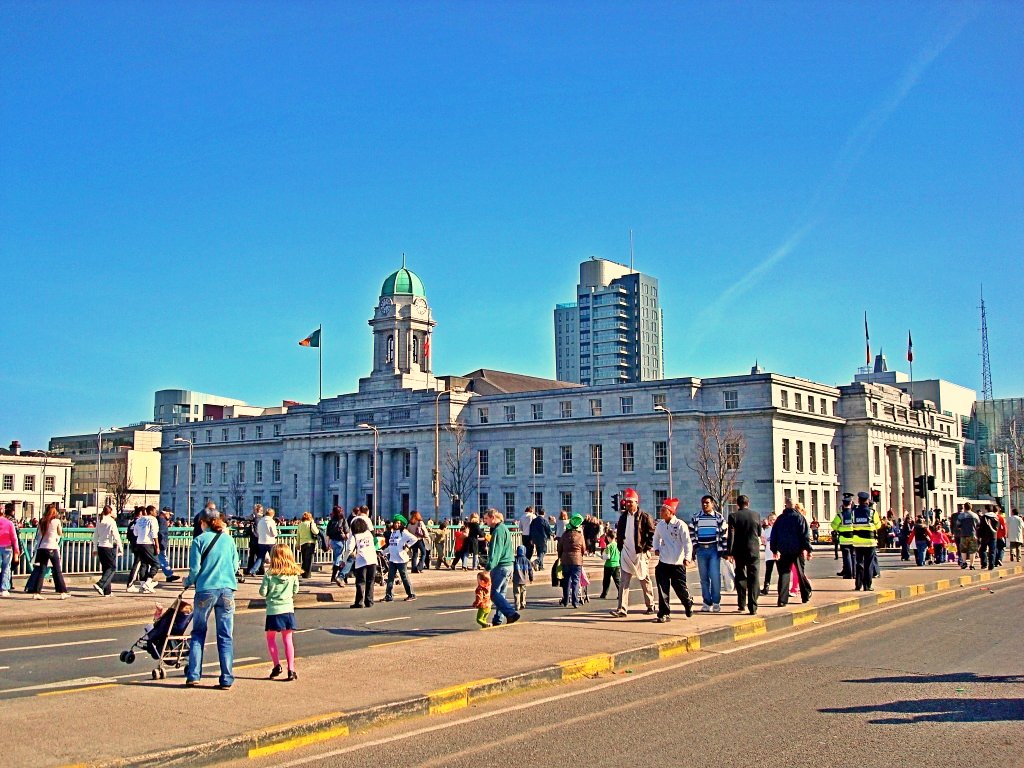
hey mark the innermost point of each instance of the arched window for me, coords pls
(415, 349)
(391, 350)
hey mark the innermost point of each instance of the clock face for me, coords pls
(386, 305)
(419, 306)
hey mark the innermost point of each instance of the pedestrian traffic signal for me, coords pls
(615, 502)
(876, 496)
(921, 487)
(931, 482)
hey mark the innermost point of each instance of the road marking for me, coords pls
(458, 610)
(1, 668)
(62, 684)
(56, 645)
(207, 664)
(299, 741)
(78, 690)
(397, 642)
(104, 656)
(384, 621)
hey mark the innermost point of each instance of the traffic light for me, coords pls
(931, 482)
(921, 487)
(615, 502)
(876, 496)
(456, 507)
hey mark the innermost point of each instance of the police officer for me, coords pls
(842, 525)
(864, 539)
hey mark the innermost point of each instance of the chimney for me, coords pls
(16, 448)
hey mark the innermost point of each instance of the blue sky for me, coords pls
(188, 189)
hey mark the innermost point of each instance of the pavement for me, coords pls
(409, 674)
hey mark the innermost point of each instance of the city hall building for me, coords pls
(519, 440)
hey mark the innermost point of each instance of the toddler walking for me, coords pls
(521, 574)
(482, 597)
(279, 587)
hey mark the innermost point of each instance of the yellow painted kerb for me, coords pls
(77, 690)
(885, 596)
(678, 646)
(587, 666)
(804, 616)
(849, 606)
(299, 741)
(751, 628)
(446, 700)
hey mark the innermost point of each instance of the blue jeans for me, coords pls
(571, 584)
(398, 568)
(164, 565)
(542, 549)
(6, 555)
(222, 603)
(341, 561)
(710, 568)
(920, 552)
(499, 583)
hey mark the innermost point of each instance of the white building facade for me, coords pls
(32, 479)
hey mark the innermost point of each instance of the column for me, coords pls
(386, 485)
(413, 478)
(892, 455)
(351, 465)
(342, 478)
(907, 464)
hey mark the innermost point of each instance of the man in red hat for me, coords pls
(674, 549)
(634, 534)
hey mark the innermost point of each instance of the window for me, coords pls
(732, 399)
(275, 503)
(537, 411)
(814, 505)
(223, 504)
(596, 497)
(538, 500)
(785, 398)
(826, 498)
(337, 468)
(538, 461)
(483, 415)
(259, 432)
(810, 404)
(799, 455)
(241, 433)
(28, 483)
(732, 455)
(241, 471)
(660, 494)
(295, 486)
(812, 455)
(595, 406)
(597, 458)
(483, 460)
(878, 460)
(874, 410)
(223, 472)
(257, 471)
(510, 413)
(626, 404)
(801, 497)
(9, 481)
(787, 493)
(565, 501)
(824, 458)
(510, 461)
(565, 408)
(275, 471)
(192, 473)
(406, 464)
(798, 401)
(660, 456)
(209, 435)
(277, 430)
(510, 504)
(257, 499)
(208, 473)
(566, 459)
(484, 500)
(224, 434)
(659, 400)
(192, 436)
(173, 482)
(371, 460)
(824, 412)
(785, 454)
(50, 481)
(627, 457)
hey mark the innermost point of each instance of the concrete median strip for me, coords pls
(289, 736)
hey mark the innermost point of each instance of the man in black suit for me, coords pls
(744, 547)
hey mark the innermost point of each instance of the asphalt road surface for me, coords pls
(935, 682)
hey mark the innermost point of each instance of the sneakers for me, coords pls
(705, 608)
(5, 593)
(173, 577)
(514, 618)
(62, 596)
(133, 588)
(651, 611)
(148, 586)
(618, 613)
(716, 608)
(99, 589)
(663, 619)
(276, 671)
(410, 597)
(388, 598)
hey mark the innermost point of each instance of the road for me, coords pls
(938, 681)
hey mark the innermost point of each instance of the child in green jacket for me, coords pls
(279, 587)
(611, 567)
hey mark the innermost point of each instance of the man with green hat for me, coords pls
(571, 548)
(398, 558)
(499, 561)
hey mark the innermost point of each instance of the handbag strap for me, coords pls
(205, 552)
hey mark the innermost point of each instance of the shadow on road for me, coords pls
(954, 677)
(962, 710)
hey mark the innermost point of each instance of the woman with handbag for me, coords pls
(338, 533)
(307, 533)
(48, 537)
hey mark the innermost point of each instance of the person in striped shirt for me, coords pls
(707, 529)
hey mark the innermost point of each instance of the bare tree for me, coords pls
(459, 475)
(119, 486)
(717, 458)
(237, 491)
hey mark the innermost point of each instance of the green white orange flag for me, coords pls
(313, 340)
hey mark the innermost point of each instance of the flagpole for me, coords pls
(320, 349)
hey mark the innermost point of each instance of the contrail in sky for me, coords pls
(856, 144)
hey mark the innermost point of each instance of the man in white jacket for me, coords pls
(674, 549)
(266, 536)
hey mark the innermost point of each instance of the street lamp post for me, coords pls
(189, 470)
(668, 413)
(436, 484)
(376, 442)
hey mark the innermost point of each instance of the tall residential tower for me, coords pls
(612, 333)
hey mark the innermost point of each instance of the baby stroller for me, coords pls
(166, 639)
(584, 583)
(382, 567)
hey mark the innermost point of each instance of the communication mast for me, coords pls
(986, 365)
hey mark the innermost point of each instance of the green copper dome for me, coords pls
(404, 282)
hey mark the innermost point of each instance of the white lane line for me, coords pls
(57, 645)
(301, 631)
(76, 683)
(384, 621)
(460, 610)
(207, 664)
(104, 656)
(4, 667)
